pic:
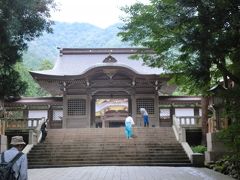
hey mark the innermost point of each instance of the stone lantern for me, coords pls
(217, 102)
(215, 146)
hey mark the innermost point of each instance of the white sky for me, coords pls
(101, 13)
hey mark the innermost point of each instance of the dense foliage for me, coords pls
(65, 35)
(199, 149)
(196, 40)
(199, 42)
(33, 89)
(20, 22)
(228, 166)
(231, 136)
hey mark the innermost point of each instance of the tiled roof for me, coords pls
(78, 61)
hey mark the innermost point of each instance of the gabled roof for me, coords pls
(72, 62)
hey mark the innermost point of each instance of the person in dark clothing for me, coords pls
(44, 131)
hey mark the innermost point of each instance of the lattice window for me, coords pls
(76, 107)
(57, 115)
(164, 113)
(148, 104)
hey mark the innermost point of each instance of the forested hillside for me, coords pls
(70, 35)
(43, 52)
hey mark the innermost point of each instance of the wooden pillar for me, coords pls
(50, 116)
(65, 108)
(157, 112)
(196, 111)
(25, 112)
(88, 108)
(134, 109)
(130, 106)
(93, 112)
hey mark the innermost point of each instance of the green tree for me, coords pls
(45, 65)
(20, 22)
(198, 41)
(33, 88)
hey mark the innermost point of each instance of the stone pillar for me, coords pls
(3, 143)
(215, 148)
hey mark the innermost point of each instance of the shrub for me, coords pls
(199, 149)
(228, 166)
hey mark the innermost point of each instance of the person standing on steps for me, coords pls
(44, 131)
(128, 127)
(21, 165)
(145, 117)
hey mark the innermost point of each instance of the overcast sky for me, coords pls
(101, 13)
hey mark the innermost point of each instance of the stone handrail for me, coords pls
(180, 123)
(2, 127)
(33, 125)
(29, 123)
(35, 136)
(188, 121)
(179, 127)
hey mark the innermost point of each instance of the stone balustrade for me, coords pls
(13, 124)
(181, 123)
(188, 121)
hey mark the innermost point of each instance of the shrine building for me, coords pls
(84, 77)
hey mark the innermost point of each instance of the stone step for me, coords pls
(109, 162)
(116, 145)
(175, 164)
(95, 154)
(161, 150)
(108, 146)
(168, 151)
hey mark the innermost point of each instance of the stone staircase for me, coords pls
(108, 147)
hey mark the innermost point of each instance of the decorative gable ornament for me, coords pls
(109, 59)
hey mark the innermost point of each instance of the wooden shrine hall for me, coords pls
(81, 76)
(99, 87)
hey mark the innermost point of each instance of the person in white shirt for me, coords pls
(145, 117)
(21, 165)
(128, 127)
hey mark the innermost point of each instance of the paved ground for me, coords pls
(126, 173)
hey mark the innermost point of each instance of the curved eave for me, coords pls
(48, 76)
(35, 101)
(179, 100)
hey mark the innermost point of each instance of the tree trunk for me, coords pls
(1, 108)
(204, 102)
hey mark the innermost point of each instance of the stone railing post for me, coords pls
(32, 138)
(2, 126)
(3, 143)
